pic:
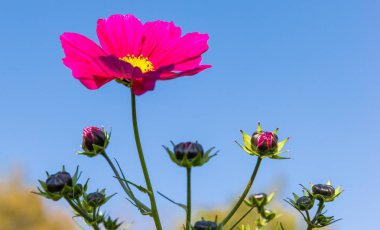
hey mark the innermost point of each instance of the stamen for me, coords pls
(141, 62)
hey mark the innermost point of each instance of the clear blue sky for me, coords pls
(310, 68)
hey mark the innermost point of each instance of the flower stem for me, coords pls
(123, 184)
(242, 197)
(237, 222)
(320, 208)
(83, 214)
(188, 205)
(143, 165)
(309, 225)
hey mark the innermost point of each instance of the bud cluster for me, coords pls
(62, 185)
(320, 192)
(259, 201)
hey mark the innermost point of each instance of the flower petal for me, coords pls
(115, 67)
(90, 74)
(189, 47)
(159, 37)
(120, 35)
(80, 48)
(141, 82)
(80, 53)
(191, 72)
(144, 83)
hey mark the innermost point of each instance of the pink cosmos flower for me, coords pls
(133, 53)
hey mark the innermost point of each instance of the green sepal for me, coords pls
(244, 227)
(197, 161)
(110, 224)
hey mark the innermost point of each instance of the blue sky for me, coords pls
(310, 68)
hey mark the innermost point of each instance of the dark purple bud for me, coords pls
(304, 203)
(56, 182)
(264, 142)
(258, 199)
(259, 196)
(205, 225)
(323, 189)
(189, 149)
(93, 136)
(95, 199)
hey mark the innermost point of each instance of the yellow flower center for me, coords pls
(142, 62)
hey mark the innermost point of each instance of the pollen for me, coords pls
(141, 62)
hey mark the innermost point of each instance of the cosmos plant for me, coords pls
(137, 55)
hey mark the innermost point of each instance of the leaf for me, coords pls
(176, 203)
(139, 187)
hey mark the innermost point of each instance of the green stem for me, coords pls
(309, 225)
(143, 164)
(83, 214)
(233, 226)
(94, 214)
(125, 185)
(320, 208)
(242, 197)
(188, 206)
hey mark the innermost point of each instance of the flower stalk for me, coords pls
(83, 214)
(143, 164)
(311, 223)
(142, 207)
(241, 218)
(188, 205)
(244, 194)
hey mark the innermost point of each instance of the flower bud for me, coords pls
(56, 182)
(258, 199)
(323, 189)
(269, 215)
(111, 224)
(264, 142)
(259, 196)
(95, 199)
(205, 225)
(189, 149)
(93, 136)
(304, 203)
(324, 220)
(76, 192)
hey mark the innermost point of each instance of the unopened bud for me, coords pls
(323, 189)
(56, 182)
(264, 142)
(188, 149)
(93, 136)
